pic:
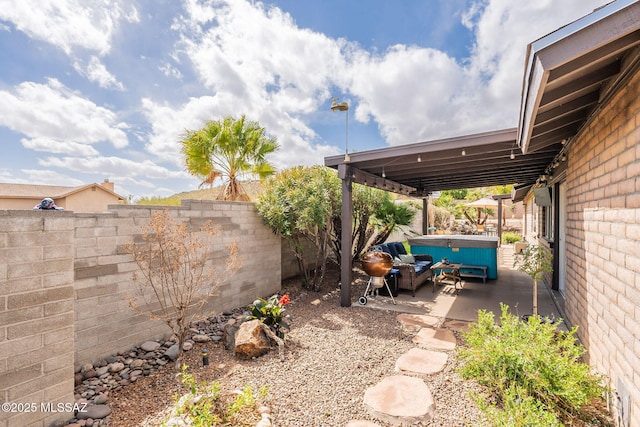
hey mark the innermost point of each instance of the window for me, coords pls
(546, 215)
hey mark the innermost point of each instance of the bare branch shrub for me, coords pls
(176, 275)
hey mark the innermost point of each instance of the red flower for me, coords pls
(284, 299)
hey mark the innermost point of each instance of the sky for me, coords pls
(104, 89)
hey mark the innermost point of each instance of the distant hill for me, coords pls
(253, 188)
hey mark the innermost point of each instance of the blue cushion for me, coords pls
(391, 249)
(399, 247)
(421, 266)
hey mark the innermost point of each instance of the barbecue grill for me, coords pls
(377, 265)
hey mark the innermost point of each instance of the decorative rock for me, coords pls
(90, 374)
(201, 338)
(421, 361)
(94, 412)
(136, 364)
(86, 367)
(187, 346)
(110, 359)
(77, 379)
(172, 352)
(250, 340)
(435, 339)
(150, 346)
(100, 399)
(116, 367)
(400, 400)
(102, 370)
(230, 331)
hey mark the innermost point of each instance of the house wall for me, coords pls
(65, 281)
(19, 204)
(91, 199)
(603, 242)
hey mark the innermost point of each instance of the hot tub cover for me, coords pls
(455, 241)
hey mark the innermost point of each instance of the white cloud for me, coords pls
(59, 147)
(417, 94)
(256, 60)
(58, 114)
(113, 166)
(95, 71)
(46, 177)
(69, 23)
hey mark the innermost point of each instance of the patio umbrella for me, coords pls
(484, 203)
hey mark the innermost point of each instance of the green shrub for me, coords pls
(531, 370)
(509, 237)
(205, 405)
(159, 201)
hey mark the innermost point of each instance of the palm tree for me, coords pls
(230, 149)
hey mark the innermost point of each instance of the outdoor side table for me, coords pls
(446, 273)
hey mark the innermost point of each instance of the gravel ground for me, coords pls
(333, 354)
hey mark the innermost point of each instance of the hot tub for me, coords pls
(462, 249)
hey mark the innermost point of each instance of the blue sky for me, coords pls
(103, 89)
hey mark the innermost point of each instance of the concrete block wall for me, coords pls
(603, 244)
(36, 316)
(65, 282)
(105, 323)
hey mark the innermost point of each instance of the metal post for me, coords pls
(346, 241)
(425, 215)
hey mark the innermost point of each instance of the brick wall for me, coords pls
(36, 314)
(65, 281)
(603, 242)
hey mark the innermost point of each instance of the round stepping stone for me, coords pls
(400, 400)
(361, 423)
(415, 322)
(421, 361)
(435, 339)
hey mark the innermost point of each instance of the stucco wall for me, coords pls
(65, 282)
(603, 242)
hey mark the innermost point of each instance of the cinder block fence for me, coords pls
(65, 282)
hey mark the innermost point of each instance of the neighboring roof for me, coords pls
(572, 70)
(31, 191)
(568, 74)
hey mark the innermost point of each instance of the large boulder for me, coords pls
(251, 340)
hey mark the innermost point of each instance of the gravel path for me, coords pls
(333, 355)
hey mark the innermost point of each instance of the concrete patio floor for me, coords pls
(511, 287)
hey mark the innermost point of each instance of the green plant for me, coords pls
(509, 237)
(535, 261)
(230, 149)
(162, 201)
(299, 204)
(271, 312)
(531, 370)
(205, 405)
